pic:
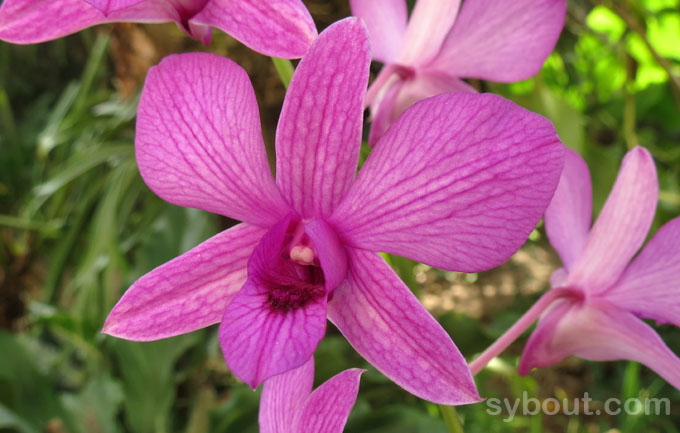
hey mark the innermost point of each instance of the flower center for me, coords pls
(405, 72)
(187, 9)
(294, 278)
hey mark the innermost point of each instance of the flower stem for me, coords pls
(451, 419)
(285, 70)
(521, 325)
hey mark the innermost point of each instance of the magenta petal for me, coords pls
(328, 407)
(260, 338)
(283, 397)
(108, 6)
(199, 142)
(319, 133)
(384, 110)
(622, 225)
(386, 23)
(650, 286)
(430, 22)
(280, 28)
(500, 40)
(458, 182)
(540, 350)
(403, 94)
(332, 254)
(386, 324)
(31, 21)
(259, 343)
(613, 334)
(567, 219)
(187, 293)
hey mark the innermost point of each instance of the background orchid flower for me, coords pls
(600, 318)
(281, 28)
(288, 404)
(429, 53)
(459, 183)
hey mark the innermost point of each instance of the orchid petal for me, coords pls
(430, 23)
(280, 28)
(622, 225)
(283, 397)
(319, 133)
(33, 21)
(500, 40)
(407, 93)
(613, 334)
(567, 219)
(187, 293)
(386, 324)
(199, 143)
(386, 23)
(458, 182)
(108, 6)
(384, 111)
(650, 286)
(260, 339)
(540, 350)
(332, 254)
(328, 407)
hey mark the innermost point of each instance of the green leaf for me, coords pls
(147, 369)
(604, 20)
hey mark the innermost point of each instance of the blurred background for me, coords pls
(78, 226)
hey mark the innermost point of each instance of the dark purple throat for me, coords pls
(294, 278)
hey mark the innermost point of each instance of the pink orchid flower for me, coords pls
(599, 317)
(458, 183)
(428, 54)
(288, 404)
(281, 28)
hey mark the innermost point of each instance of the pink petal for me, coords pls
(501, 40)
(407, 92)
(387, 325)
(540, 350)
(622, 225)
(332, 254)
(199, 142)
(280, 28)
(258, 339)
(187, 293)
(613, 334)
(650, 286)
(32, 21)
(430, 23)
(108, 6)
(283, 398)
(567, 219)
(319, 133)
(384, 110)
(458, 182)
(386, 23)
(328, 407)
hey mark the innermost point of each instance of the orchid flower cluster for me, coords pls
(456, 180)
